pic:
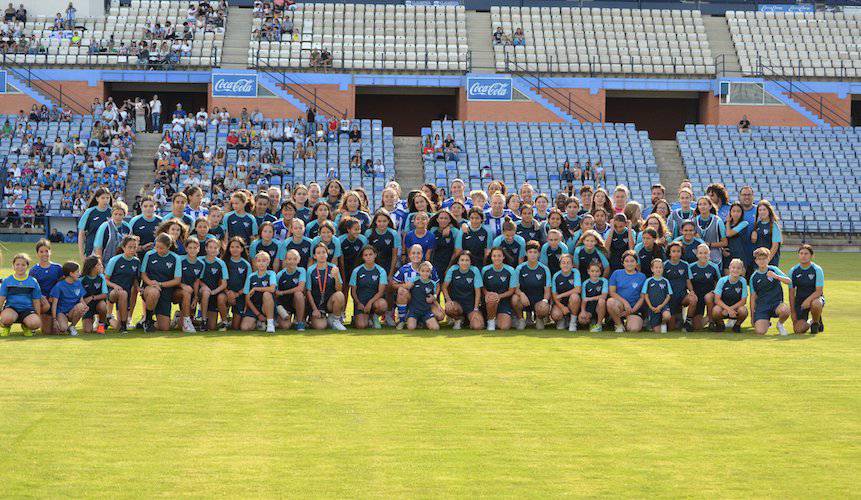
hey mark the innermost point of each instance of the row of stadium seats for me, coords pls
(520, 152)
(812, 175)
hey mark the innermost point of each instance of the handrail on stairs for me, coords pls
(49, 90)
(298, 89)
(821, 105)
(565, 101)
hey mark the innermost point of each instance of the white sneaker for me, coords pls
(282, 312)
(73, 331)
(664, 328)
(187, 326)
(782, 329)
(730, 323)
(620, 329)
(270, 326)
(572, 325)
(561, 324)
(337, 325)
(491, 325)
(458, 323)
(539, 323)
(521, 323)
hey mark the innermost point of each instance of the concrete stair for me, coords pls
(720, 41)
(141, 167)
(670, 164)
(237, 38)
(478, 32)
(409, 167)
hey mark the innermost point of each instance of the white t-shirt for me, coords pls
(155, 106)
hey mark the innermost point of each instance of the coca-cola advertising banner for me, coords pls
(487, 88)
(234, 85)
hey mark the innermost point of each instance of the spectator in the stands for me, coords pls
(21, 14)
(9, 14)
(451, 148)
(326, 59)
(519, 39)
(744, 125)
(356, 135)
(71, 15)
(498, 36)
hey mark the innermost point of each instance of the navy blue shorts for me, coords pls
(765, 312)
(804, 314)
(420, 316)
(165, 302)
(22, 313)
(91, 310)
(654, 319)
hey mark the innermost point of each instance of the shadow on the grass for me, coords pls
(745, 335)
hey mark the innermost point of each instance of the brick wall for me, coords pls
(80, 92)
(712, 112)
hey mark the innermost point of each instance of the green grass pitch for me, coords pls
(393, 414)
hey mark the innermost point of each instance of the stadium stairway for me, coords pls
(670, 165)
(478, 32)
(409, 168)
(141, 167)
(779, 93)
(237, 39)
(721, 44)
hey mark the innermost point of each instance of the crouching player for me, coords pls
(187, 293)
(565, 289)
(290, 292)
(657, 293)
(213, 283)
(67, 306)
(368, 283)
(259, 294)
(122, 276)
(462, 291)
(160, 272)
(730, 299)
(95, 295)
(20, 298)
(593, 298)
(423, 292)
(405, 275)
(766, 297)
(500, 284)
(805, 292)
(533, 293)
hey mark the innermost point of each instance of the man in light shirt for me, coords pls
(155, 113)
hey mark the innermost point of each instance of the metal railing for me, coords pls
(51, 91)
(298, 89)
(822, 106)
(563, 99)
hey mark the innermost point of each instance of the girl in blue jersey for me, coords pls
(449, 241)
(213, 286)
(390, 204)
(334, 191)
(590, 248)
(297, 241)
(322, 215)
(462, 292)
(421, 235)
(655, 222)
(704, 275)
(368, 283)
(657, 293)
(352, 241)
(290, 292)
(47, 274)
(95, 295)
(238, 269)
(300, 198)
(214, 218)
(20, 298)
(602, 222)
(239, 222)
(730, 299)
(593, 298)
(351, 206)
(98, 211)
(512, 245)
(476, 238)
(324, 292)
(404, 275)
(122, 277)
(711, 229)
(145, 224)
(67, 305)
(283, 225)
(177, 209)
(735, 230)
(200, 230)
(187, 293)
(766, 233)
(528, 228)
(619, 240)
(682, 214)
(555, 220)
(267, 243)
(533, 293)
(587, 223)
(552, 251)
(649, 250)
(111, 232)
(500, 285)
(457, 210)
(689, 241)
(417, 202)
(160, 272)
(625, 304)
(261, 210)
(327, 237)
(259, 294)
(497, 214)
(177, 231)
(423, 293)
(766, 294)
(565, 290)
(678, 273)
(806, 296)
(383, 237)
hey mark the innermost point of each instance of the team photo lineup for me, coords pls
(497, 259)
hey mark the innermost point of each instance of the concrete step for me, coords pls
(478, 33)
(670, 164)
(409, 168)
(141, 166)
(720, 43)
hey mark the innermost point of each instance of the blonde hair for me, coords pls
(426, 265)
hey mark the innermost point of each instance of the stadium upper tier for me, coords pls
(812, 175)
(807, 44)
(615, 41)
